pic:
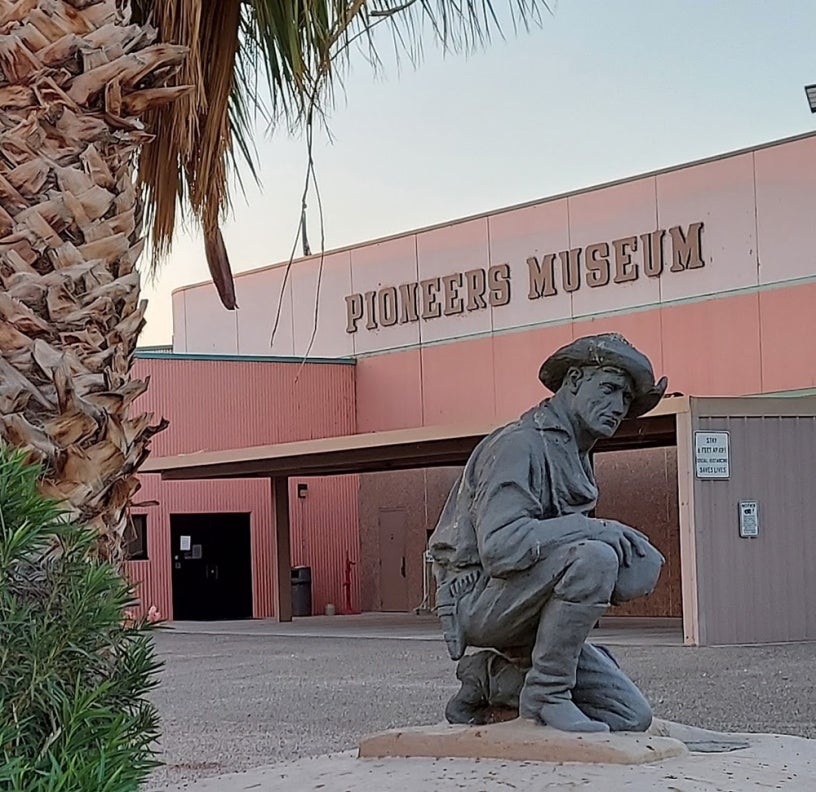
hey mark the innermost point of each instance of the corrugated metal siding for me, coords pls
(324, 529)
(325, 534)
(190, 497)
(639, 488)
(216, 404)
(760, 589)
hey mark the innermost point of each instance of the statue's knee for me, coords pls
(591, 575)
(597, 557)
(639, 578)
(639, 717)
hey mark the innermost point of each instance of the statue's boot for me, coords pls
(547, 693)
(490, 682)
(470, 703)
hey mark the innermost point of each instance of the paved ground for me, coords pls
(782, 764)
(242, 699)
(614, 631)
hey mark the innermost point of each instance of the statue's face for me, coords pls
(601, 399)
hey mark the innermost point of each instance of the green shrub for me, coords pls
(74, 672)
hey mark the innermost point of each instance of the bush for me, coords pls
(74, 672)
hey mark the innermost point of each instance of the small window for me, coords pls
(136, 538)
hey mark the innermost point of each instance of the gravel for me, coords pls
(231, 703)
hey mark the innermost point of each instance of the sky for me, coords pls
(601, 90)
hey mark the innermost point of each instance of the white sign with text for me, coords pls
(711, 455)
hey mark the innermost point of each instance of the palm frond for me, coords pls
(300, 49)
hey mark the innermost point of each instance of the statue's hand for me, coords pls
(625, 541)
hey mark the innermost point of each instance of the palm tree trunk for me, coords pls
(75, 77)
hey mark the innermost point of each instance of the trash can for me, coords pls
(301, 591)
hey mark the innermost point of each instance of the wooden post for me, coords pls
(283, 558)
(688, 542)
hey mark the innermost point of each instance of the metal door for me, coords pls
(393, 561)
(212, 566)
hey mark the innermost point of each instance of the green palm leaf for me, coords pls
(276, 60)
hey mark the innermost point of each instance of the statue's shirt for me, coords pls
(514, 498)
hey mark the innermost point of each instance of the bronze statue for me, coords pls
(525, 573)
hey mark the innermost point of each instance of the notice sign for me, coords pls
(749, 519)
(711, 459)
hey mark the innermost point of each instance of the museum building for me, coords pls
(319, 457)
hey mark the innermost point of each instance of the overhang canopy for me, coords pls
(401, 449)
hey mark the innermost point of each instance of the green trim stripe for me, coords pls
(148, 354)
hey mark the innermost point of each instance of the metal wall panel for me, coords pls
(420, 494)
(213, 404)
(759, 590)
(755, 204)
(191, 497)
(326, 536)
(216, 404)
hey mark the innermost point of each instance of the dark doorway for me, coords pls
(393, 577)
(212, 566)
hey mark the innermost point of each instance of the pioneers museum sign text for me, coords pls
(595, 266)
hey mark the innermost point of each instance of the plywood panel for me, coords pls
(639, 488)
(403, 490)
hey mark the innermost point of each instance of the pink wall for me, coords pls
(325, 535)
(737, 325)
(734, 345)
(756, 205)
(324, 529)
(213, 404)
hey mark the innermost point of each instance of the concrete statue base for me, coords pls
(777, 762)
(520, 740)
(524, 740)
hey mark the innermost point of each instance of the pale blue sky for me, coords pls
(604, 89)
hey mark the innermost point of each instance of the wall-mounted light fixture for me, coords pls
(810, 92)
(302, 490)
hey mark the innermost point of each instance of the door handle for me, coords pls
(402, 567)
